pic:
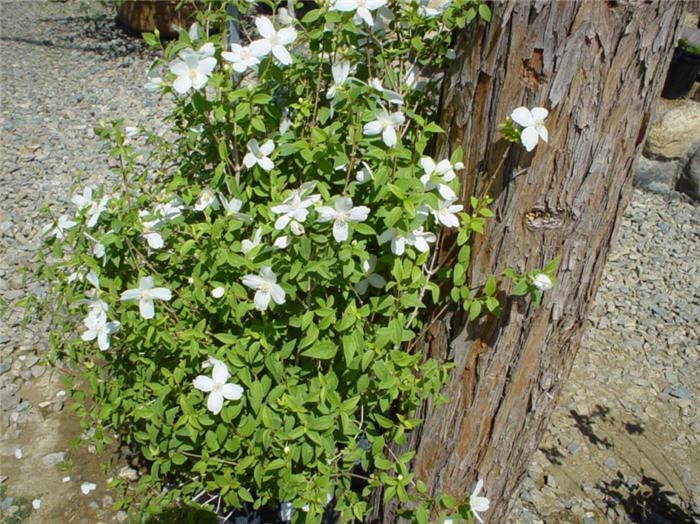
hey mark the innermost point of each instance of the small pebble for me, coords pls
(87, 487)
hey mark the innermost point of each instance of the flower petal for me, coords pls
(261, 300)
(146, 308)
(522, 116)
(182, 84)
(215, 402)
(529, 138)
(389, 136)
(286, 35)
(260, 48)
(220, 373)
(266, 164)
(281, 54)
(203, 383)
(264, 26)
(340, 231)
(232, 391)
(372, 128)
(131, 294)
(161, 293)
(539, 113)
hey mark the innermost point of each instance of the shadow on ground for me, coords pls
(99, 34)
(647, 502)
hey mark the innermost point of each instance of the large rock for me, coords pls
(689, 182)
(675, 132)
(657, 176)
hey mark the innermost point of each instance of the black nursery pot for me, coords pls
(681, 75)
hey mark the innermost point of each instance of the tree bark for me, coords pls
(598, 67)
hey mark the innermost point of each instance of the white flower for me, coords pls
(294, 209)
(98, 328)
(95, 210)
(217, 387)
(84, 200)
(266, 286)
(361, 8)
(340, 71)
(385, 124)
(420, 239)
(371, 278)
(233, 207)
(207, 198)
(153, 81)
(478, 504)
(145, 294)
(444, 171)
(171, 209)
(445, 213)
(87, 487)
(364, 174)
(398, 241)
(247, 245)
(18, 453)
(391, 96)
(285, 124)
(36, 503)
(283, 17)
(241, 58)
(433, 8)
(58, 230)
(286, 511)
(273, 41)
(532, 121)
(281, 242)
(194, 32)
(259, 155)
(65, 479)
(218, 292)
(154, 239)
(192, 69)
(543, 282)
(343, 213)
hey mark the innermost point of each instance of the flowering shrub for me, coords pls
(253, 290)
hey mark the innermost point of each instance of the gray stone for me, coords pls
(54, 458)
(689, 180)
(657, 176)
(610, 462)
(679, 392)
(128, 474)
(675, 131)
(573, 447)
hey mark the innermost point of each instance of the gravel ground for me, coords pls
(622, 446)
(624, 442)
(64, 67)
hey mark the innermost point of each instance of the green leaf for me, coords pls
(226, 338)
(490, 286)
(323, 349)
(485, 12)
(474, 310)
(432, 127)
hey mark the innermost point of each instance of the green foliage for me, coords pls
(332, 376)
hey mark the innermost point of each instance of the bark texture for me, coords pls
(598, 67)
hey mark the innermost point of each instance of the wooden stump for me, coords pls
(143, 16)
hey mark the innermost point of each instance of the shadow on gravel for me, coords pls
(647, 502)
(584, 423)
(101, 35)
